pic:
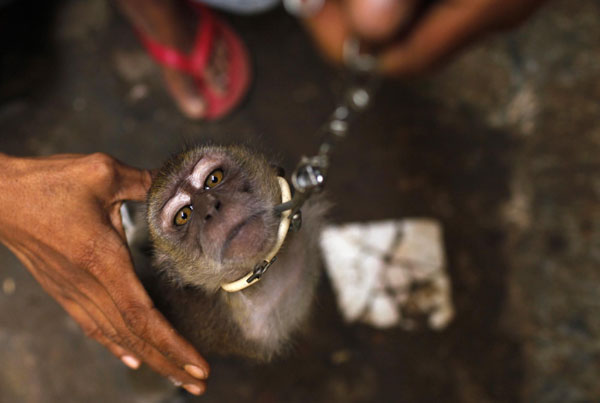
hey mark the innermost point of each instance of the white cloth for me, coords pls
(389, 272)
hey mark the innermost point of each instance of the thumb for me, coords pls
(378, 20)
(133, 183)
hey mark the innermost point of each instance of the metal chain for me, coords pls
(310, 174)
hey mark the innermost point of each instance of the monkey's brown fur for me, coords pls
(213, 247)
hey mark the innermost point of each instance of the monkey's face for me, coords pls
(210, 213)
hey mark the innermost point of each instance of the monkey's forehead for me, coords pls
(180, 166)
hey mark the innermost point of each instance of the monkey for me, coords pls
(211, 220)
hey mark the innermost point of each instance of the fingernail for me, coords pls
(193, 389)
(195, 371)
(130, 361)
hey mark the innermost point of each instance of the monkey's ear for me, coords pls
(278, 170)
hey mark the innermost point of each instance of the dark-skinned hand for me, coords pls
(60, 216)
(412, 41)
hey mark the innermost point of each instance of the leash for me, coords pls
(310, 175)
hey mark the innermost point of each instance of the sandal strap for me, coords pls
(164, 55)
(195, 62)
(203, 43)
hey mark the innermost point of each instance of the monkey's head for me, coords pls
(210, 214)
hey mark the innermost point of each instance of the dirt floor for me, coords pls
(502, 146)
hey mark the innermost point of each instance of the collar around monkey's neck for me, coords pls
(254, 276)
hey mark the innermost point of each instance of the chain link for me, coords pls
(310, 174)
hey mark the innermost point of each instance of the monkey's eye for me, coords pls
(183, 215)
(213, 179)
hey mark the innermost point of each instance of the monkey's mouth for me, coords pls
(283, 227)
(246, 239)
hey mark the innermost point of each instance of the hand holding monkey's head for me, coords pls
(210, 214)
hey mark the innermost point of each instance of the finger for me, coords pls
(114, 332)
(82, 317)
(377, 20)
(92, 297)
(65, 297)
(142, 318)
(162, 348)
(329, 28)
(92, 330)
(159, 361)
(133, 183)
(153, 358)
(138, 313)
(447, 27)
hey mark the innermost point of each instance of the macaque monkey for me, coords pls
(211, 221)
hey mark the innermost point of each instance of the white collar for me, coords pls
(282, 232)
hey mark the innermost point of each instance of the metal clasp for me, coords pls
(311, 173)
(260, 269)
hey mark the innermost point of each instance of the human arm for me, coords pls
(412, 40)
(60, 216)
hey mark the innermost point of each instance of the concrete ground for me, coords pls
(502, 146)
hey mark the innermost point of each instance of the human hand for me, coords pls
(412, 38)
(60, 216)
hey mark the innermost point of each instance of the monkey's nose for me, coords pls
(213, 209)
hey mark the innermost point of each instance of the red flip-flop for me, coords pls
(238, 71)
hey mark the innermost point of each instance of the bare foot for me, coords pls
(171, 23)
